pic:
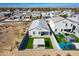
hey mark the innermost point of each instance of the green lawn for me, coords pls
(73, 36)
(59, 38)
(48, 44)
(34, 18)
(30, 43)
(65, 16)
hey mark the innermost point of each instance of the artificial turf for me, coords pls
(30, 43)
(48, 44)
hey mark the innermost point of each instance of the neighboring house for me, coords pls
(1, 14)
(75, 20)
(48, 14)
(17, 17)
(36, 15)
(17, 11)
(55, 23)
(69, 25)
(67, 12)
(6, 14)
(27, 16)
(53, 13)
(43, 14)
(39, 28)
(46, 17)
(62, 25)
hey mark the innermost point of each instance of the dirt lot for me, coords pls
(45, 53)
(11, 34)
(32, 52)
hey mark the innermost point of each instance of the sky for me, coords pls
(53, 5)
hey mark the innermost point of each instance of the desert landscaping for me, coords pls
(11, 35)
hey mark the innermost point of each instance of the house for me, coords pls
(43, 13)
(36, 15)
(49, 14)
(75, 20)
(5, 14)
(65, 26)
(1, 14)
(17, 17)
(38, 28)
(27, 16)
(46, 17)
(53, 13)
(17, 11)
(67, 12)
(40, 32)
(62, 25)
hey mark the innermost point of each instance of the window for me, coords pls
(33, 32)
(49, 14)
(71, 24)
(39, 32)
(66, 24)
(41, 45)
(74, 16)
(67, 30)
(61, 30)
(55, 30)
(44, 33)
(53, 16)
(74, 32)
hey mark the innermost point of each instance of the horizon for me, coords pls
(40, 5)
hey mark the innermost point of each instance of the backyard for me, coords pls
(66, 41)
(30, 43)
(60, 37)
(77, 39)
(48, 44)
